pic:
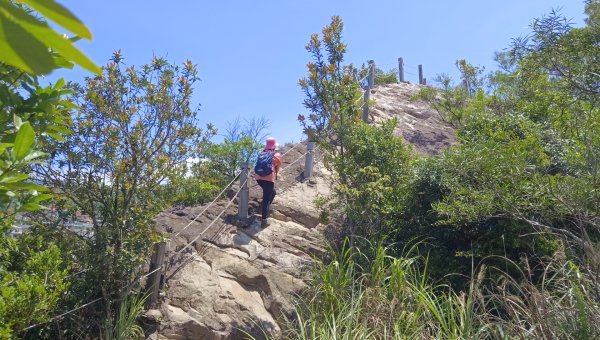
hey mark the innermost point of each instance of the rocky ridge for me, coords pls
(239, 279)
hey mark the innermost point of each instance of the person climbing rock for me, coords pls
(267, 166)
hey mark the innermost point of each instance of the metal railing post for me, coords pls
(153, 283)
(371, 80)
(244, 194)
(309, 160)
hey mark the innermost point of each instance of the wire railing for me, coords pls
(62, 315)
(180, 251)
(221, 228)
(187, 245)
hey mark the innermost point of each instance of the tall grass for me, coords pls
(124, 326)
(364, 293)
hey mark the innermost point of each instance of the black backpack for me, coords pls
(264, 163)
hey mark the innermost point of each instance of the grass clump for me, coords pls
(364, 293)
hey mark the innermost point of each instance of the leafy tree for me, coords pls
(520, 178)
(389, 77)
(217, 163)
(370, 163)
(451, 101)
(241, 143)
(33, 271)
(527, 161)
(592, 9)
(332, 95)
(133, 130)
(376, 168)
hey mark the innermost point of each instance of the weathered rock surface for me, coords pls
(237, 277)
(418, 123)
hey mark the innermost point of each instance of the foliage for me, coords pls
(454, 102)
(376, 167)
(364, 292)
(241, 143)
(389, 77)
(30, 112)
(381, 77)
(189, 191)
(29, 43)
(125, 326)
(521, 176)
(133, 131)
(360, 155)
(32, 271)
(32, 280)
(332, 95)
(592, 9)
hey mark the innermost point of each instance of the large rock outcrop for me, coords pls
(238, 278)
(418, 123)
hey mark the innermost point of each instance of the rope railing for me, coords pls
(60, 316)
(292, 148)
(188, 244)
(294, 162)
(219, 231)
(207, 207)
(230, 202)
(210, 225)
(57, 317)
(219, 195)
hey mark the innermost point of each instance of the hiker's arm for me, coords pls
(277, 163)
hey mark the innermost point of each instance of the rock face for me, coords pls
(238, 279)
(418, 123)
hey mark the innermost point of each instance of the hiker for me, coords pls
(267, 166)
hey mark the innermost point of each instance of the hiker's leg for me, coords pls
(271, 198)
(268, 189)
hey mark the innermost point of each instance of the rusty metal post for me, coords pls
(156, 270)
(244, 195)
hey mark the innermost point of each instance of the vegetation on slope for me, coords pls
(508, 219)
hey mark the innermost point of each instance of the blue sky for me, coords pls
(250, 54)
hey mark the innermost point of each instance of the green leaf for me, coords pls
(20, 48)
(55, 136)
(4, 94)
(28, 186)
(4, 146)
(60, 129)
(41, 33)
(59, 84)
(31, 207)
(14, 178)
(59, 15)
(17, 121)
(34, 155)
(42, 197)
(61, 62)
(23, 141)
